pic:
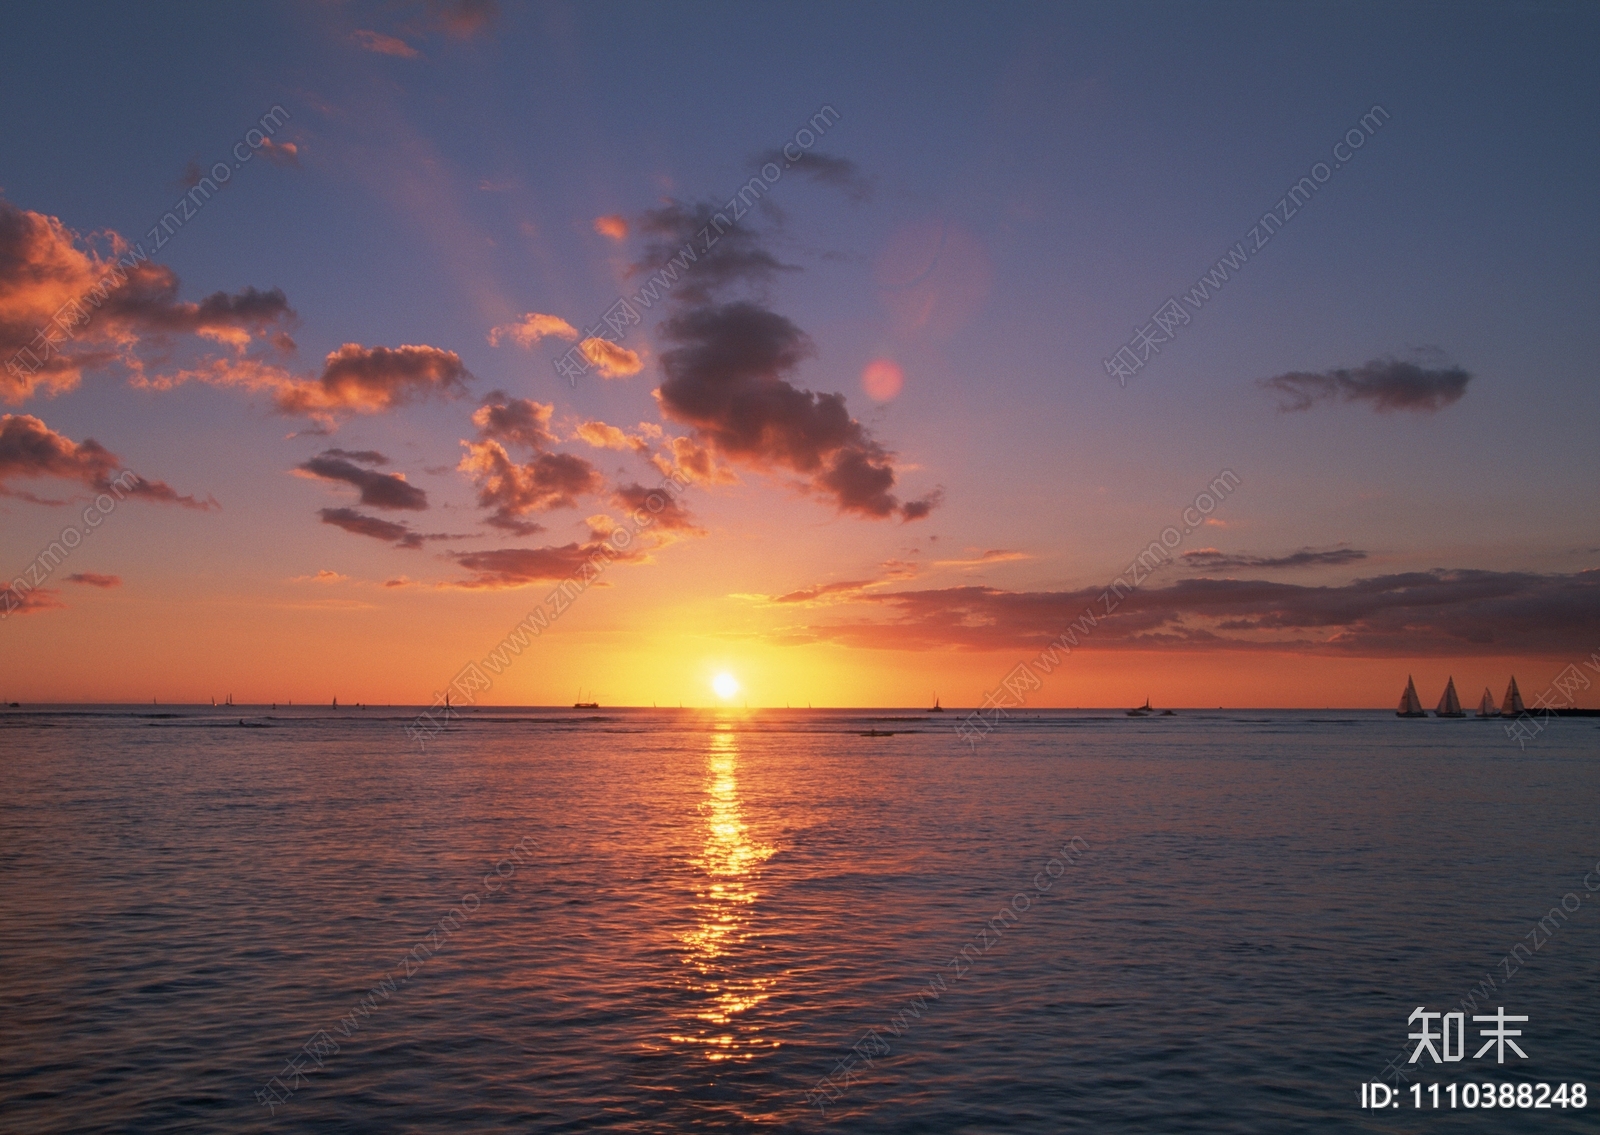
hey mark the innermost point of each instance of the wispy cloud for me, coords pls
(826, 169)
(984, 559)
(381, 44)
(1384, 384)
(95, 579)
(1210, 559)
(1433, 613)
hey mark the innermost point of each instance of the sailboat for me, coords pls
(1449, 704)
(1410, 704)
(1141, 711)
(580, 704)
(1512, 706)
(936, 707)
(1486, 707)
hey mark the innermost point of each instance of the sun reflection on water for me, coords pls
(721, 981)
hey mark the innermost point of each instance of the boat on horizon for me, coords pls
(1512, 705)
(1449, 703)
(936, 707)
(1486, 707)
(1410, 704)
(1141, 711)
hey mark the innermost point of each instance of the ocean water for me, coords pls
(637, 920)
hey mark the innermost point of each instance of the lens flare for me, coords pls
(882, 379)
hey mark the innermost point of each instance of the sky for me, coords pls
(1042, 355)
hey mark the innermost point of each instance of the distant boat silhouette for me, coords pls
(1449, 704)
(936, 707)
(1410, 704)
(1141, 711)
(580, 704)
(1513, 703)
(1486, 708)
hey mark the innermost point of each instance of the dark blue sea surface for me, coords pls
(640, 920)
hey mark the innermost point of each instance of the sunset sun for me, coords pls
(725, 684)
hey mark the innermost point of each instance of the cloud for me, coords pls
(398, 581)
(516, 421)
(1209, 559)
(686, 460)
(28, 601)
(94, 579)
(603, 436)
(383, 44)
(378, 490)
(847, 591)
(365, 456)
(1438, 613)
(725, 380)
(678, 234)
(612, 226)
(281, 154)
(840, 173)
(519, 567)
(464, 19)
(663, 511)
(610, 360)
(65, 308)
(388, 531)
(512, 491)
(1386, 384)
(322, 576)
(990, 556)
(531, 328)
(31, 449)
(370, 380)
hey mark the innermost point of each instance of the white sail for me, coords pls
(1513, 701)
(1486, 706)
(1449, 703)
(1410, 704)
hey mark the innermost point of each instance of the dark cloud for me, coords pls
(378, 490)
(736, 256)
(30, 449)
(1434, 613)
(27, 601)
(1386, 384)
(725, 380)
(519, 567)
(840, 173)
(659, 509)
(515, 421)
(69, 308)
(360, 524)
(1209, 559)
(94, 579)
